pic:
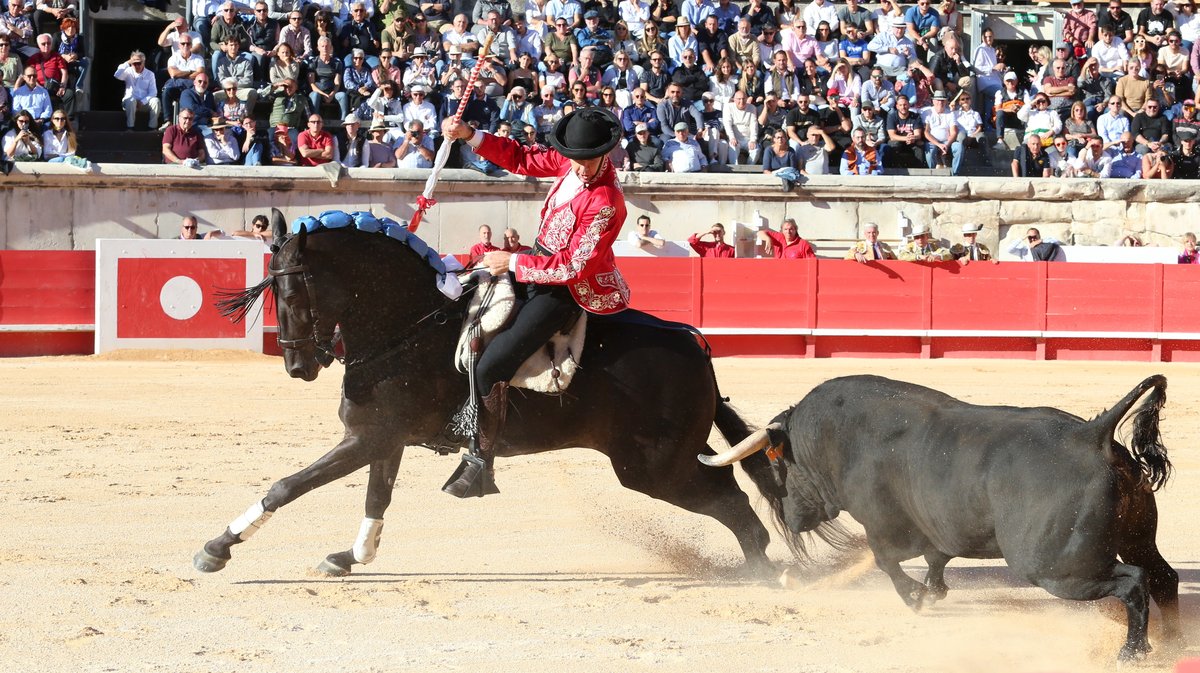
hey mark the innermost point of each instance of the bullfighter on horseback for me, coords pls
(571, 264)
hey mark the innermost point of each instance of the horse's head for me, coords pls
(307, 307)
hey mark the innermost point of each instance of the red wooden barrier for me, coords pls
(814, 308)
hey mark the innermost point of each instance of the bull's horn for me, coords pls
(750, 445)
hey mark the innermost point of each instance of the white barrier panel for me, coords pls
(160, 294)
(1121, 255)
(623, 248)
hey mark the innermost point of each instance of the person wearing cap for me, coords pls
(419, 108)
(922, 248)
(682, 154)
(141, 90)
(351, 143)
(870, 248)
(573, 266)
(645, 150)
(599, 38)
(1186, 124)
(871, 121)
(1079, 26)
(971, 250)
(421, 70)
(222, 148)
(893, 49)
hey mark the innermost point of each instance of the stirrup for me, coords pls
(471, 479)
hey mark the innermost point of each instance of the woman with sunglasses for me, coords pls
(58, 141)
(562, 42)
(623, 41)
(1078, 129)
(552, 75)
(1040, 119)
(650, 43)
(21, 142)
(827, 48)
(1176, 60)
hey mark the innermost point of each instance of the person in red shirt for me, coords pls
(786, 245)
(573, 267)
(512, 242)
(483, 247)
(315, 144)
(717, 247)
(51, 69)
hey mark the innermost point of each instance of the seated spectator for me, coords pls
(1060, 87)
(378, 152)
(1133, 89)
(623, 77)
(51, 14)
(236, 66)
(182, 142)
(387, 105)
(716, 149)
(283, 147)
(922, 248)
(1151, 129)
(812, 156)
(421, 110)
(785, 243)
(10, 63)
(352, 143)
(141, 91)
(21, 143)
(284, 66)
(642, 235)
(780, 160)
(645, 152)
(30, 96)
(1157, 165)
(1077, 129)
(460, 36)
(1112, 124)
(325, 79)
(359, 32)
(870, 248)
(229, 106)
(1060, 166)
(260, 228)
(1009, 102)
(256, 147)
(878, 91)
(740, 120)
(1185, 159)
(548, 112)
(1091, 161)
(656, 78)
(1039, 118)
(690, 76)
(1123, 159)
(52, 73)
(1029, 161)
(357, 81)
(906, 136)
(483, 247)
(864, 156)
(714, 248)
(264, 36)
(315, 145)
(58, 141)
(298, 39)
(682, 154)
(1186, 124)
(1189, 255)
(182, 68)
(941, 135)
(512, 243)
(222, 147)
(971, 250)
(199, 100)
(289, 107)
(639, 111)
(15, 24)
(516, 108)
(415, 148)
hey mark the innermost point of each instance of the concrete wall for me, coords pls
(55, 207)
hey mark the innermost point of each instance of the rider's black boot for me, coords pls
(474, 476)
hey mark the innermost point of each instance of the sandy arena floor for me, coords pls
(118, 469)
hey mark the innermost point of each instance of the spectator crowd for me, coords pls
(795, 89)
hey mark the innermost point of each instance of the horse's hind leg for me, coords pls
(349, 455)
(379, 496)
(704, 490)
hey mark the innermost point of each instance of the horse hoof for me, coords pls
(330, 569)
(207, 563)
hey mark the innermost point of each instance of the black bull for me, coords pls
(1058, 497)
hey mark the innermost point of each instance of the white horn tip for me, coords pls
(708, 460)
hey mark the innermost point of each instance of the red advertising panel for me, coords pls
(173, 298)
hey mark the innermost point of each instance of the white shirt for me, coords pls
(938, 126)
(222, 152)
(190, 64)
(685, 157)
(814, 15)
(414, 159)
(635, 14)
(138, 86)
(740, 125)
(425, 113)
(1188, 26)
(968, 123)
(52, 146)
(1110, 56)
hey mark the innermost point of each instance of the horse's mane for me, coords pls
(236, 304)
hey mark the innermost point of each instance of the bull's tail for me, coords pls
(1146, 446)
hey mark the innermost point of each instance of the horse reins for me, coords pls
(326, 353)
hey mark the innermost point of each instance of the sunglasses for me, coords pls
(59, 119)
(191, 227)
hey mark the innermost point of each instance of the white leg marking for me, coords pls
(368, 540)
(248, 524)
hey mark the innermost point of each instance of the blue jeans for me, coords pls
(932, 153)
(340, 97)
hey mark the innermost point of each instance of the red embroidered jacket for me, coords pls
(579, 234)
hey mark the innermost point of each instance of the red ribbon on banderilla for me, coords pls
(426, 201)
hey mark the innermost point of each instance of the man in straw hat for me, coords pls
(572, 265)
(970, 250)
(921, 248)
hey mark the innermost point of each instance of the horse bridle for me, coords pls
(325, 347)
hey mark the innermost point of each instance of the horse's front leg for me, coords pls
(350, 454)
(379, 496)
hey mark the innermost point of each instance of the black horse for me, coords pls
(644, 396)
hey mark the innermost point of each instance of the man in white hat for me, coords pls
(922, 248)
(420, 109)
(971, 250)
(893, 49)
(941, 135)
(351, 142)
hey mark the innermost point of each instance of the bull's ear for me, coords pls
(278, 228)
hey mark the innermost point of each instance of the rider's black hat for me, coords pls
(586, 133)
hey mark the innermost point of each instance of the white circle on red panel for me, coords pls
(181, 297)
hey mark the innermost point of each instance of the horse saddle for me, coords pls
(493, 306)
